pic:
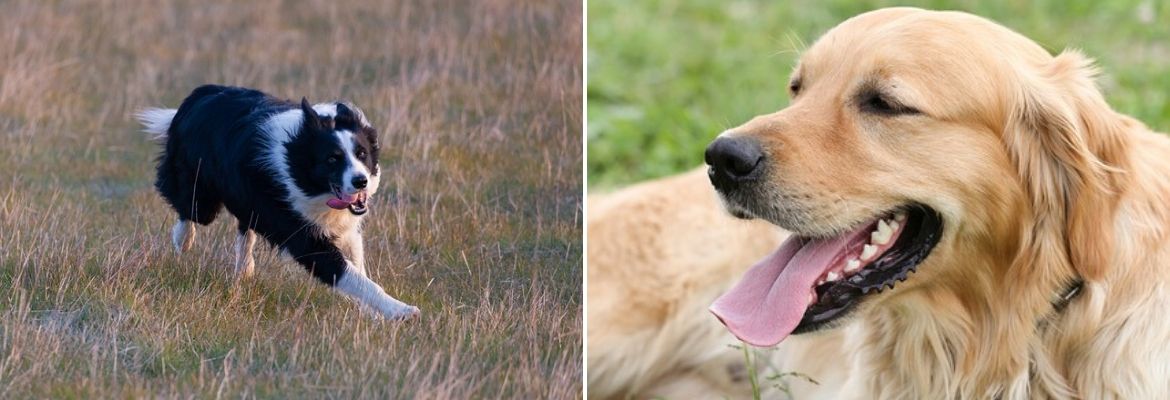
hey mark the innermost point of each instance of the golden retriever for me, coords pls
(969, 219)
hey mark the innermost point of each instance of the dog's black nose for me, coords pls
(733, 160)
(359, 182)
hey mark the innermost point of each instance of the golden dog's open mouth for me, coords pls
(808, 283)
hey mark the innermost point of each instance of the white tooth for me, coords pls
(894, 226)
(832, 276)
(901, 216)
(868, 251)
(882, 234)
(853, 265)
(812, 297)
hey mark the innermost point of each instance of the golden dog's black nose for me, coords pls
(733, 161)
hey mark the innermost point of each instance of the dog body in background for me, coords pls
(298, 176)
(969, 218)
(660, 252)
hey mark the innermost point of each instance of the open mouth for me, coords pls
(356, 203)
(810, 282)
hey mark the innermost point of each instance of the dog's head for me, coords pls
(934, 148)
(335, 153)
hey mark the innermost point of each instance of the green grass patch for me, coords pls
(666, 76)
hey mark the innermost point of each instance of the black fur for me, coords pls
(214, 158)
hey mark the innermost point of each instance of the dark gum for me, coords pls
(836, 299)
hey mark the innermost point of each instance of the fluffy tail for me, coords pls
(156, 121)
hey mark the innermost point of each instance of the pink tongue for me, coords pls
(769, 302)
(339, 204)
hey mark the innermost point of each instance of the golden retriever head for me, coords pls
(935, 148)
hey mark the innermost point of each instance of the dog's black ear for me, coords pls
(311, 117)
(343, 111)
(372, 134)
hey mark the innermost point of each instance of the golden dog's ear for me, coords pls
(1068, 146)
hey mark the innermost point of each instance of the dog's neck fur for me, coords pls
(1005, 345)
(939, 352)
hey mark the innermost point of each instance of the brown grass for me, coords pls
(479, 108)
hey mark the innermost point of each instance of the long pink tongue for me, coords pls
(340, 204)
(769, 302)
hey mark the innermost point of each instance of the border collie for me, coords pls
(297, 175)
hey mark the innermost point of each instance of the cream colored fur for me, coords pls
(657, 258)
(1039, 183)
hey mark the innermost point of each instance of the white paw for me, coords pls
(398, 314)
(406, 312)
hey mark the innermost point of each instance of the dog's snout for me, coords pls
(733, 160)
(359, 182)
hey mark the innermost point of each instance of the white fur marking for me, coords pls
(354, 167)
(280, 129)
(375, 180)
(183, 236)
(245, 264)
(326, 109)
(351, 247)
(156, 121)
(366, 292)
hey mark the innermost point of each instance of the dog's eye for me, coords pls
(875, 103)
(361, 155)
(332, 159)
(794, 87)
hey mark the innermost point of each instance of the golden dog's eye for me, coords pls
(875, 103)
(794, 87)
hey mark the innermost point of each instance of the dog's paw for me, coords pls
(403, 312)
(406, 313)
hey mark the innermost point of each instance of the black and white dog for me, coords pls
(297, 175)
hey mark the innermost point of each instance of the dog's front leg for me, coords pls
(351, 246)
(358, 286)
(327, 262)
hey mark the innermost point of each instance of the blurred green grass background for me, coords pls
(666, 76)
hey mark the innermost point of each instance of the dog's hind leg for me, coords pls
(202, 210)
(192, 202)
(183, 235)
(245, 264)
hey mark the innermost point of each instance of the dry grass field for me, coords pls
(479, 220)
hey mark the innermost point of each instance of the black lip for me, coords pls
(835, 300)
